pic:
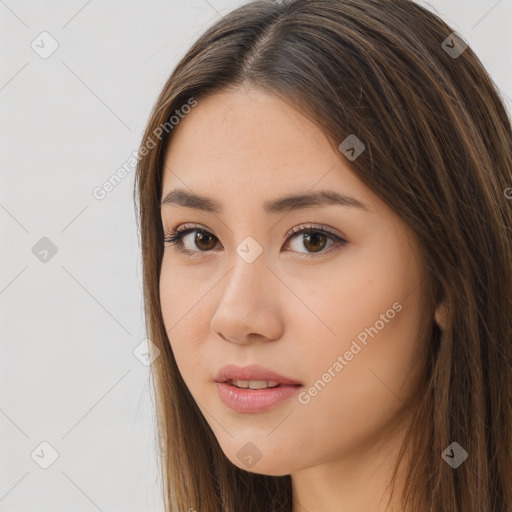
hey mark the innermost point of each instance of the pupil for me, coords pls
(200, 237)
(315, 237)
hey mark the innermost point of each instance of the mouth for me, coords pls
(253, 377)
(253, 389)
(253, 384)
(255, 400)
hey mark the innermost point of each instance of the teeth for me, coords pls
(255, 384)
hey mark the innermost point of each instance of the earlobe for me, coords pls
(440, 315)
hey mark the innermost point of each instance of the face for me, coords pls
(324, 293)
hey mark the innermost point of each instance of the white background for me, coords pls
(68, 375)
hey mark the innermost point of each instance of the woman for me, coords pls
(323, 190)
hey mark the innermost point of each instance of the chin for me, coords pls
(264, 469)
(249, 458)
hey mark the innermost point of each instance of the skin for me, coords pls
(292, 314)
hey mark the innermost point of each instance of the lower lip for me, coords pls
(254, 400)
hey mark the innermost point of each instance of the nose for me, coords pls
(248, 309)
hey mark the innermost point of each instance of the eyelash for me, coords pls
(174, 237)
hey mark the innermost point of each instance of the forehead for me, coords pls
(236, 124)
(255, 144)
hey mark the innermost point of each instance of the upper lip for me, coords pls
(252, 372)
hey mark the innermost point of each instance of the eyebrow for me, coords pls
(187, 199)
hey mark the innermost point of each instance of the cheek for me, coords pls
(368, 313)
(182, 295)
(183, 313)
(365, 393)
(342, 299)
(170, 302)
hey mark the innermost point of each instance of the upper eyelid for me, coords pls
(312, 226)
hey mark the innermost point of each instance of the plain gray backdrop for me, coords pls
(76, 410)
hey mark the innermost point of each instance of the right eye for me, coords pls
(202, 239)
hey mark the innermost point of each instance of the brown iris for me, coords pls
(311, 241)
(202, 238)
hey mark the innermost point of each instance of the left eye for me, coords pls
(313, 239)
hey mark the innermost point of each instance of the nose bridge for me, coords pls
(248, 272)
(247, 302)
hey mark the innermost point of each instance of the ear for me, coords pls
(440, 315)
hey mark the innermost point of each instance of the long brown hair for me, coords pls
(438, 152)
